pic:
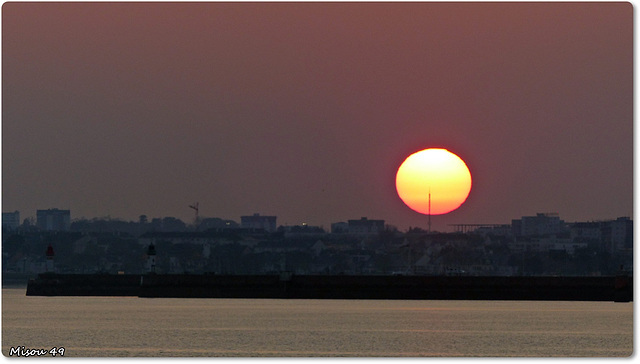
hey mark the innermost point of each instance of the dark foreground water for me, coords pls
(130, 326)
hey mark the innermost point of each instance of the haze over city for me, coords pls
(305, 111)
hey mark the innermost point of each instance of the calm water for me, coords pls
(131, 326)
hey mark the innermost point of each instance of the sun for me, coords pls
(433, 181)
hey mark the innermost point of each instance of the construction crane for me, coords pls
(195, 207)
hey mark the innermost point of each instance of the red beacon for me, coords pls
(49, 253)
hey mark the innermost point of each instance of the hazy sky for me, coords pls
(305, 111)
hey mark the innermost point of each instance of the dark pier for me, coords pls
(286, 285)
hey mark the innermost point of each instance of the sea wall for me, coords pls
(51, 284)
(391, 287)
(610, 288)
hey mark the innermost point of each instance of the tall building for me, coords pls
(541, 224)
(622, 233)
(53, 219)
(268, 223)
(10, 220)
(365, 226)
(614, 235)
(591, 230)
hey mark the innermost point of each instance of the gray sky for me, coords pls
(305, 111)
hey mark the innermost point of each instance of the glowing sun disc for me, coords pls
(436, 172)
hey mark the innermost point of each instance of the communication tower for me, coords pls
(429, 230)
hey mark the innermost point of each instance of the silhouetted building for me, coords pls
(53, 219)
(591, 230)
(541, 224)
(622, 233)
(612, 234)
(268, 223)
(10, 220)
(339, 227)
(365, 226)
(301, 230)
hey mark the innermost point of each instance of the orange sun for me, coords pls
(433, 181)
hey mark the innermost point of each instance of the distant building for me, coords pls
(53, 219)
(268, 223)
(339, 227)
(365, 226)
(484, 229)
(614, 235)
(586, 230)
(541, 224)
(622, 233)
(10, 220)
(301, 230)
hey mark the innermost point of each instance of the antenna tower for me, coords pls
(429, 231)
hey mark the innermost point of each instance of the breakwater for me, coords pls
(52, 284)
(286, 285)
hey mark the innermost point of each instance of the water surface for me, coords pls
(131, 326)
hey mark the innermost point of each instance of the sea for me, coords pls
(176, 327)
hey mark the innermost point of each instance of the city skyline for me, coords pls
(272, 221)
(306, 111)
